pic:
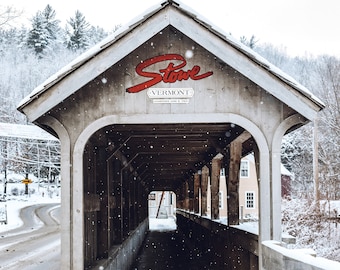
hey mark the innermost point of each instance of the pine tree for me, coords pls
(250, 43)
(44, 30)
(52, 25)
(96, 34)
(37, 37)
(78, 38)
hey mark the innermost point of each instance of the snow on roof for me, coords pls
(87, 55)
(144, 16)
(25, 132)
(284, 171)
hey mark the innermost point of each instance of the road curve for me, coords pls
(36, 244)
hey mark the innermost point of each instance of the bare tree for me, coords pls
(7, 15)
(327, 72)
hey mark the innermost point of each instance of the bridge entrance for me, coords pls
(163, 104)
(131, 170)
(125, 164)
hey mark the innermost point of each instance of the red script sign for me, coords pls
(170, 74)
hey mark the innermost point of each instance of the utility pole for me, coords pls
(316, 166)
(6, 160)
(160, 203)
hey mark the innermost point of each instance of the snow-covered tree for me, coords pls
(77, 32)
(42, 158)
(328, 79)
(52, 24)
(249, 42)
(321, 76)
(44, 30)
(297, 157)
(22, 70)
(95, 35)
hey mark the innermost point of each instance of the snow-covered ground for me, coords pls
(14, 206)
(38, 193)
(36, 244)
(162, 224)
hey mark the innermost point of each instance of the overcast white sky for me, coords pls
(301, 26)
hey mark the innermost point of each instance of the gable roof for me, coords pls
(183, 18)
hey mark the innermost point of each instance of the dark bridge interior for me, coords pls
(123, 163)
(163, 155)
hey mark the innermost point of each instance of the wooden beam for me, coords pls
(204, 188)
(102, 191)
(186, 195)
(233, 181)
(215, 186)
(196, 192)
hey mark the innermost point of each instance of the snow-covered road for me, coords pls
(35, 244)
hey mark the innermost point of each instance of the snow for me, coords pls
(140, 19)
(284, 171)
(25, 131)
(251, 227)
(14, 204)
(162, 224)
(304, 255)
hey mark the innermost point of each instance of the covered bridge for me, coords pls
(163, 104)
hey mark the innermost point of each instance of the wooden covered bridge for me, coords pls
(164, 104)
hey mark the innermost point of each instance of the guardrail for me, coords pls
(234, 248)
(226, 247)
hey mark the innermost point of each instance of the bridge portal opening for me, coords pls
(137, 174)
(162, 211)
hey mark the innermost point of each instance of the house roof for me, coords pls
(25, 132)
(197, 18)
(284, 171)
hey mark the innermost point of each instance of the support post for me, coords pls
(204, 188)
(186, 195)
(125, 202)
(191, 193)
(116, 214)
(196, 192)
(233, 181)
(316, 166)
(102, 192)
(132, 199)
(215, 186)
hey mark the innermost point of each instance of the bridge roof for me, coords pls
(299, 90)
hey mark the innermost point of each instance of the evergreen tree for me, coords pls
(78, 35)
(96, 34)
(250, 43)
(52, 25)
(44, 30)
(38, 36)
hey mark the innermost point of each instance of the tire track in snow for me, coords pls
(36, 243)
